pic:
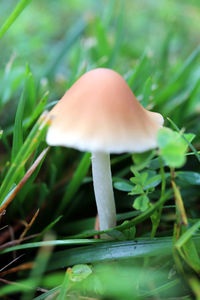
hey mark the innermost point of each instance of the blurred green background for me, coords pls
(107, 33)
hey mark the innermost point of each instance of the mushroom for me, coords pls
(100, 114)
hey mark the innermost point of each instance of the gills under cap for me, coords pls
(100, 113)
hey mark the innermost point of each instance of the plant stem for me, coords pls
(102, 181)
(178, 200)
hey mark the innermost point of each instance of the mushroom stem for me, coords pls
(103, 190)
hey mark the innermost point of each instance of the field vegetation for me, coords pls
(47, 205)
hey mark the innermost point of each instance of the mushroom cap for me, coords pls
(100, 113)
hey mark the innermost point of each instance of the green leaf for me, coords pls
(79, 273)
(172, 147)
(136, 190)
(155, 163)
(141, 203)
(184, 136)
(123, 186)
(174, 155)
(140, 178)
(189, 177)
(144, 181)
(152, 181)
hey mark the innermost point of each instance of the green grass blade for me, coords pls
(111, 251)
(162, 288)
(30, 90)
(33, 171)
(118, 36)
(192, 153)
(18, 130)
(181, 99)
(64, 287)
(38, 270)
(177, 80)
(139, 72)
(68, 242)
(76, 181)
(38, 110)
(187, 64)
(16, 12)
(147, 92)
(71, 37)
(187, 235)
(51, 225)
(49, 293)
(109, 11)
(9, 289)
(102, 40)
(30, 144)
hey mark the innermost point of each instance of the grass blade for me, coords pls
(176, 81)
(71, 37)
(38, 270)
(187, 235)
(38, 110)
(76, 181)
(16, 12)
(49, 293)
(68, 242)
(30, 90)
(147, 92)
(18, 130)
(30, 144)
(113, 251)
(64, 287)
(24, 180)
(118, 36)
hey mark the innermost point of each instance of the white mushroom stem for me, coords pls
(103, 190)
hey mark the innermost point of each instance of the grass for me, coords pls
(47, 206)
